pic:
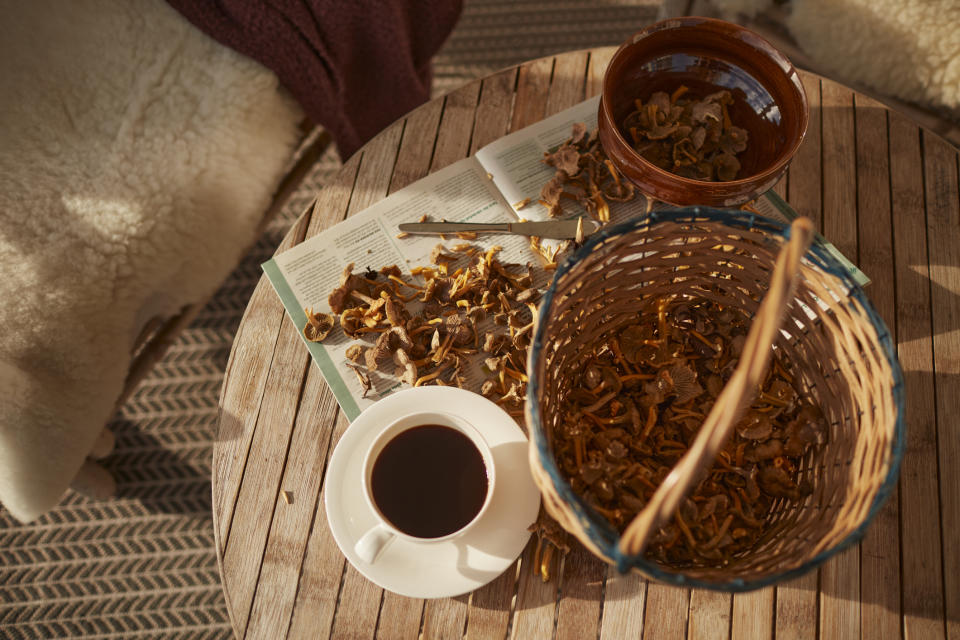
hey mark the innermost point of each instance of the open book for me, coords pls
(486, 187)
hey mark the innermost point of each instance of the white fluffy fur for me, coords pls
(909, 49)
(136, 159)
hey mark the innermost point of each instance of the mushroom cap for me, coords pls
(319, 326)
(566, 159)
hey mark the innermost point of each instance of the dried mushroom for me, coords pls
(363, 378)
(425, 331)
(354, 353)
(636, 406)
(585, 175)
(319, 325)
(549, 537)
(693, 138)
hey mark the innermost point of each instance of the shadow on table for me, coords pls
(231, 428)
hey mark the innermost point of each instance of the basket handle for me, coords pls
(736, 395)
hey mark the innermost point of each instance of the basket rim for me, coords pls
(597, 528)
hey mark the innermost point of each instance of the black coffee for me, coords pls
(429, 481)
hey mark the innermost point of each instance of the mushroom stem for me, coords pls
(362, 297)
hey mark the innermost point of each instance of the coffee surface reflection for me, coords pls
(429, 481)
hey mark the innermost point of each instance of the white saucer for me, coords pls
(442, 569)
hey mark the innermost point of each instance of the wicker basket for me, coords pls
(828, 335)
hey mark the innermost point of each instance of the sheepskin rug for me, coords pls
(909, 49)
(137, 157)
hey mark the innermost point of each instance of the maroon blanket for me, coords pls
(355, 66)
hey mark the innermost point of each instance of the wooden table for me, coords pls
(880, 188)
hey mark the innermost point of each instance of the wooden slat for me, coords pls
(752, 617)
(319, 584)
(287, 541)
(447, 617)
(839, 577)
(873, 204)
(359, 607)
(494, 107)
(536, 601)
(240, 402)
(400, 617)
(709, 615)
(578, 615)
(943, 222)
(839, 168)
(839, 596)
(599, 59)
(456, 124)
(416, 147)
(666, 616)
(623, 606)
(920, 531)
(569, 81)
(244, 549)
(796, 601)
(286, 545)
(488, 615)
(880, 549)
(250, 361)
(804, 174)
(376, 168)
(323, 580)
(259, 486)
(232, 442)
(533, 85)
(796, 613)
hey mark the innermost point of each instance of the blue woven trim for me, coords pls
(595, 526)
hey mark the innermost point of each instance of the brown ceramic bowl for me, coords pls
(706, 55)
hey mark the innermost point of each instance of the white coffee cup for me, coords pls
(372, 543)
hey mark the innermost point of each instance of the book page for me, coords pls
(306, 274)
(516, 160)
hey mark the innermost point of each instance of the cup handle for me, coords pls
(370, 545)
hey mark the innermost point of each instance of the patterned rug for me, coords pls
(143, 565)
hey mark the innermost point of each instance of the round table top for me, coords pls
(882, 189)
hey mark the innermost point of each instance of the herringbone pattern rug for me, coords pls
(143, 565)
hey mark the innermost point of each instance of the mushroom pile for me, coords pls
(428, 330)
(585, 174)
(692, 138)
